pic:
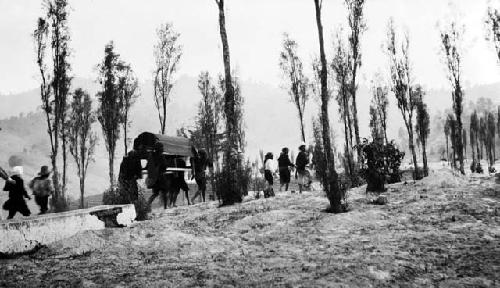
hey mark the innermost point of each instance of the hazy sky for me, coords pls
(255, 31)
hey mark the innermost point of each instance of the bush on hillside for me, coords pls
(118, 196)
(380, 164)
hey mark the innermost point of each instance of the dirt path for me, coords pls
(442, 231)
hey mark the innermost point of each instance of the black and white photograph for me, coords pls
(238, 143)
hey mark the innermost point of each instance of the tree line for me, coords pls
(70, 115)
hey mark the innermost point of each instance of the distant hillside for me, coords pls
(270, 119)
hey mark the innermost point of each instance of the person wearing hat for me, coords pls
(42, 188)
(301, 163)
(284, 165)
(17, 193)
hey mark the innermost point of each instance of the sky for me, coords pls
(255, 30)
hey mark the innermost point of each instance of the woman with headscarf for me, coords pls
(42, 188)
(17, 193)
(284, 165)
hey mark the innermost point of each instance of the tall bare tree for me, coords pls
(82, 139)
(57, 16)
(402, 85)
(380, 102)
(209, 118)
(341, 65)
(490, 140)
(357, 26)
(493, 28)
(167, 53)
(292, 69)
(330, 184)
(451, 40)
(128, 88)
(422, 127)
(232, 161)
(52, 31)
(110, 110)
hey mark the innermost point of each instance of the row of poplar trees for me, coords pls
(69, 113)
(483, 126)
(70, 117)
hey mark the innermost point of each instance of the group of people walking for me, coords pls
(41, 186)
(163, 183)
(285, 166)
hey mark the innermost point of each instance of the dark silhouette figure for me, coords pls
(199, 164)
(284, 165)
(17, 193)
(42, 188)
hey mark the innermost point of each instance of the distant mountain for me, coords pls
(270, 120)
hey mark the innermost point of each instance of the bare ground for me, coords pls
(442, 231)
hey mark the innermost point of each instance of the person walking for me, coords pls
(268, 175)
(156, 180)
(17, 193)
(199, 165)
(301, 163)
(284, 165)
(130, 172)
(42, 188)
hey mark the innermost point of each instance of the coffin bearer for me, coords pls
(42, 188)
(199, 164)
(284, 165)
(17, 193)
(130, 172)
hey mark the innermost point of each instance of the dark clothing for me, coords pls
(130, 168)
(269, 177)
(17, 193)
(43, 202)
(130, 171)
(156, 168)
(301, 161)
(284, 161)
(284, 165)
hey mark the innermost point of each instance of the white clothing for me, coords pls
(269, 165)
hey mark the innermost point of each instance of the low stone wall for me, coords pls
(25, 234)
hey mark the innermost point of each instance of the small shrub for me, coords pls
(381, 164)
(224, 186)
(59, 204)
(120, 196)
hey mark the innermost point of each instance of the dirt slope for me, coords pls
(441, 231)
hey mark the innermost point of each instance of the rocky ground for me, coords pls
(441, 231)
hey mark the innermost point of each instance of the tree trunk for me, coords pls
(55, 180)
(355, 118)
(460, 148)
(82, 191)
(424, 158)
(111, 156)
(414, 154)
(65, 162)
(303, 134)
(125, 134)
(231, 158)
(331, 185)
(447, 151)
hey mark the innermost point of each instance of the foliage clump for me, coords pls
(380, 164)
(118, 195)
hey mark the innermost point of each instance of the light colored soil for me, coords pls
(441, 231)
